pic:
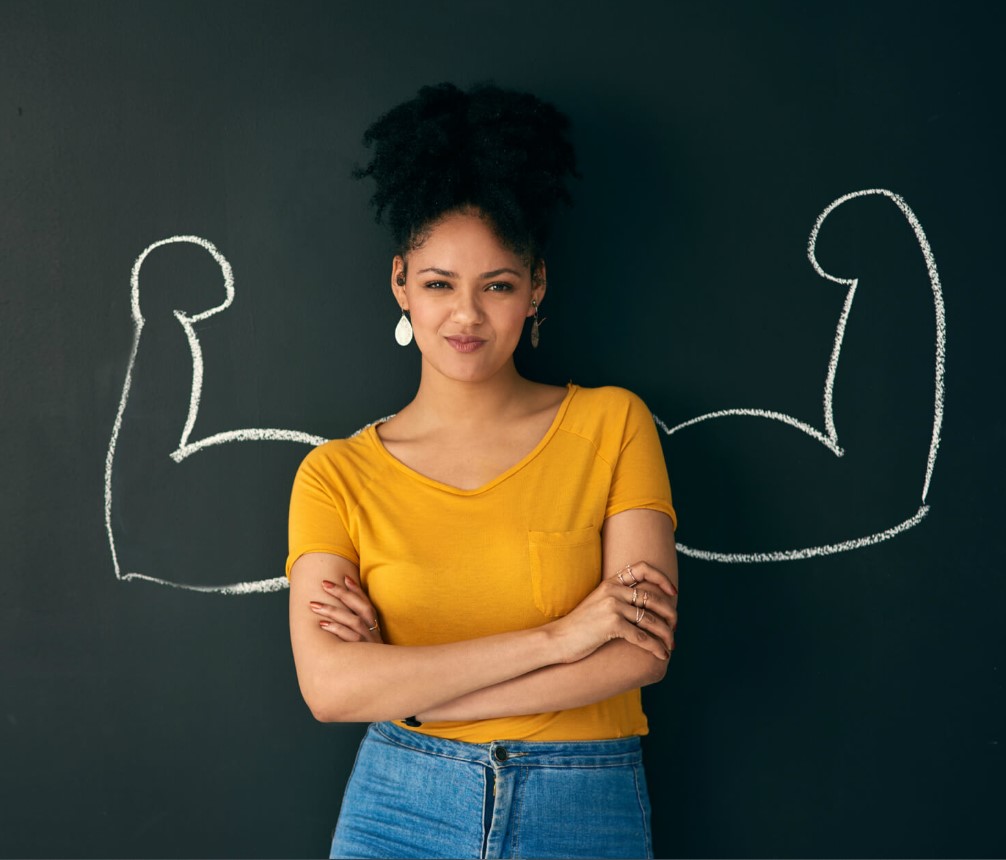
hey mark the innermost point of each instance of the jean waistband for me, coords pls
(616, 752)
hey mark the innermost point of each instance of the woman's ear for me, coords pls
(399, 274)
(538, 283)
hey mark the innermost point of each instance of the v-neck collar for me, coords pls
(376, 441)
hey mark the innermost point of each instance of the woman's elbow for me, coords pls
(326, 705)
(333, 712)
(324, 713)
(653, 670)
(638, 667)
(343, 703)
(320, 709)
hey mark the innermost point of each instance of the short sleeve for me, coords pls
(639, 478)
(318, 513)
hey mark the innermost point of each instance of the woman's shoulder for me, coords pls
(610, 398)
(337, 455)
(606, 414)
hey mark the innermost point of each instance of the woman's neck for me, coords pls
(443, 401)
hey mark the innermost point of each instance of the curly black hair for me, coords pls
(503, 153)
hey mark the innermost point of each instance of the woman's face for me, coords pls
(468, 297)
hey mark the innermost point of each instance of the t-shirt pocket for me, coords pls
(565, 568)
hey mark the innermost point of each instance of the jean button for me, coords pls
(500, 754)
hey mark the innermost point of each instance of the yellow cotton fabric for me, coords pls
(441, 564)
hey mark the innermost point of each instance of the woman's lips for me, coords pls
(463, 343)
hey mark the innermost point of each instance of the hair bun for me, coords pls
(507, 153)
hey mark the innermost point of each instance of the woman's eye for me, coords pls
(500, 287)
(437, 285)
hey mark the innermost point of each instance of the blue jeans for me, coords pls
(412, 795)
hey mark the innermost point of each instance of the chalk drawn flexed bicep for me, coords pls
(829, 436)
(155, 454)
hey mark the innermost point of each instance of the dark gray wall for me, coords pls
(850, 704)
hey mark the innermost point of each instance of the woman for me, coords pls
(489, 576)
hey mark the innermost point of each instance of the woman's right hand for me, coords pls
(636, 591)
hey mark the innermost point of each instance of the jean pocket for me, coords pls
(565, 568)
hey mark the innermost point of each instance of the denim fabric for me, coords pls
(411, 795)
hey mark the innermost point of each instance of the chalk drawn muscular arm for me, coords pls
(155, 440)
(829, 437)
(591, 654)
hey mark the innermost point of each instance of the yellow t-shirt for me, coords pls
(441, 564)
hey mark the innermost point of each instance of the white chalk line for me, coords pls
(938, 307)
(260, 586)
(813, 432)
(248, 435)
(809, 552)
(185, 447)
(830, 437)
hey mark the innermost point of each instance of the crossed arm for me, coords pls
(591, 654)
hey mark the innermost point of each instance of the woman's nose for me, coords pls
(467, 306)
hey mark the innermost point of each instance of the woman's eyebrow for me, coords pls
(446, 274)
(497, 272)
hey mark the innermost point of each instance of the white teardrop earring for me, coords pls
(403, 331)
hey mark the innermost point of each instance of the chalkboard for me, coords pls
(786, 240)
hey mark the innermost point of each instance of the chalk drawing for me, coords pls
(829, 438)
(185, 447)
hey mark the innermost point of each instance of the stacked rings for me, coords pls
(628, 570)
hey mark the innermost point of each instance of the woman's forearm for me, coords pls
(542, 669)
(612, 669)
(364, 682)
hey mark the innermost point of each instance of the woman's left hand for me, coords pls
(349, 615)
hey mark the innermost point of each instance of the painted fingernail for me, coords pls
(326, 584)
(350, 583)
(326, 624)
(315, 605)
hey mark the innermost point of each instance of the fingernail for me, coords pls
(315, 605)
(326, 584)
(325, 624)
(350, 583)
